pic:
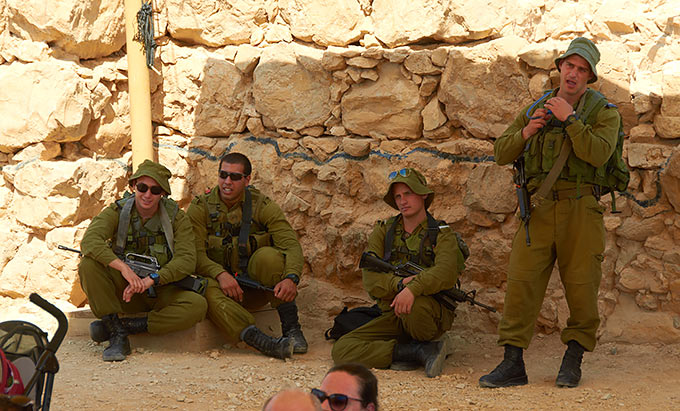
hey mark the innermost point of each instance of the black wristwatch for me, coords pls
(155, 277)
(294, 278)
(570, 119)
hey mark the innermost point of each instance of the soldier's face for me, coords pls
(146, 202)
(574, 75)
(409, 203)
(231, 189)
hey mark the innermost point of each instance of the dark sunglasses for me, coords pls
(233, 176)
(404, 172)
(337, 402)
(155, 190)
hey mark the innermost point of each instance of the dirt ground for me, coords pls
(615, 377)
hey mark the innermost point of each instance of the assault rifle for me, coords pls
(448, 298)
(245, 281)
(523, 198)
(144, 265)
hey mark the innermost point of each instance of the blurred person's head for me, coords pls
(350, 387)
(292, 400)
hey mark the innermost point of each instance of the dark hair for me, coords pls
(237, 158)
(368, 384)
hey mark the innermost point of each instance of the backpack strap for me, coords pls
(167, 227)
(123, 224)
(244, 232)
(389, 238)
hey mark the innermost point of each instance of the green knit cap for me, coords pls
(586, 49)
(414, 180)
(156, 171)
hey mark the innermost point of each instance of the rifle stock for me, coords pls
(447, 298)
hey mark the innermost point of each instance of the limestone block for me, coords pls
(370, 74)
(13, 237)
(325, 22)
(439, 56)
(538, 84)
(254, 125)
(638, 229)
(620, 16)
(277, 33)
(490, 188)
(357, 147)
(439, 133)
(246, 58)
(419, 62)
(278, 78)
(256, 36)
(403, 22)
(433, 116)
(642, 155)
(390, 106)
(110, 133)
(642, 132)
(667, 127)
(428, 85)
(362, 62)
(670, 180)
(61, 113)
(314, 131)
(70, 26)
(542, 55)
(39, 151)
(373, 52)
(28, 51)
(213, 22)
(331, 61)
(202, 93)
(561, 19)
(630, 324)
(484, 86)
(396, 55)
(321, 147)
(468, 147)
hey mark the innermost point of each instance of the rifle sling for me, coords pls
(244, 231)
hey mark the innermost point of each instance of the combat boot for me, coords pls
(509, 372)
(135, 325)
(274, 347)
(429, 354)
(119, 345)
(290, 326)
(570, 370)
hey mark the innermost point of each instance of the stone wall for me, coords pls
(327, 97)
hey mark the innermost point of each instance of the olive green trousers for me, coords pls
(266, 267)
(570, 231)
(372, 344)
(172, 309)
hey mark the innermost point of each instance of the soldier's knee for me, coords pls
(198, 306)
(342, 349)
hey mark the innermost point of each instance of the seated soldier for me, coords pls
(240, 231)
(145, 222)
(412, 318)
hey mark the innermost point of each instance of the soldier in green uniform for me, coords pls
(411, 317)
(567, 223)
(240, 231)
(145, 222)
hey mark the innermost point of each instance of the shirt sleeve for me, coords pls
(204, 265)
(283, 236)
(595, 143)
(101, 231)
(509, 146)
(444, 273)
(183, 260)
(379, 285)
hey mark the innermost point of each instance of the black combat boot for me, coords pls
(509, 372)
(290, 326)
(119, 345)
(136, 325)
(570, 370)
(429, 354)
(274, 347)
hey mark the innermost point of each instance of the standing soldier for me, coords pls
(411, 317)
(240, 231)
(148, 223)
(566, 218)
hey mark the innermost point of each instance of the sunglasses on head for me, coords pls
(233, 176)
(404, 172)
(155, 190)
(337, 402)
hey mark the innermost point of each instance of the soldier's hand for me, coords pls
(230, 286)
(537, 122)
(128, 292)
(285, 290)
(403, 302)
(134, 282)
(559, 107)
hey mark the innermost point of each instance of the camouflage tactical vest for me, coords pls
(544, 147)
(150, 238)
(223, 230)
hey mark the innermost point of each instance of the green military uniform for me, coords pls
(373, 343)
(174, 308)
(273, 249)
(568, 226)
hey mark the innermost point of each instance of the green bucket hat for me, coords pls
(414, 180)
(584, 48)
(154, 170)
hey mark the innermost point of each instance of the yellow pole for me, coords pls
(138, 89)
